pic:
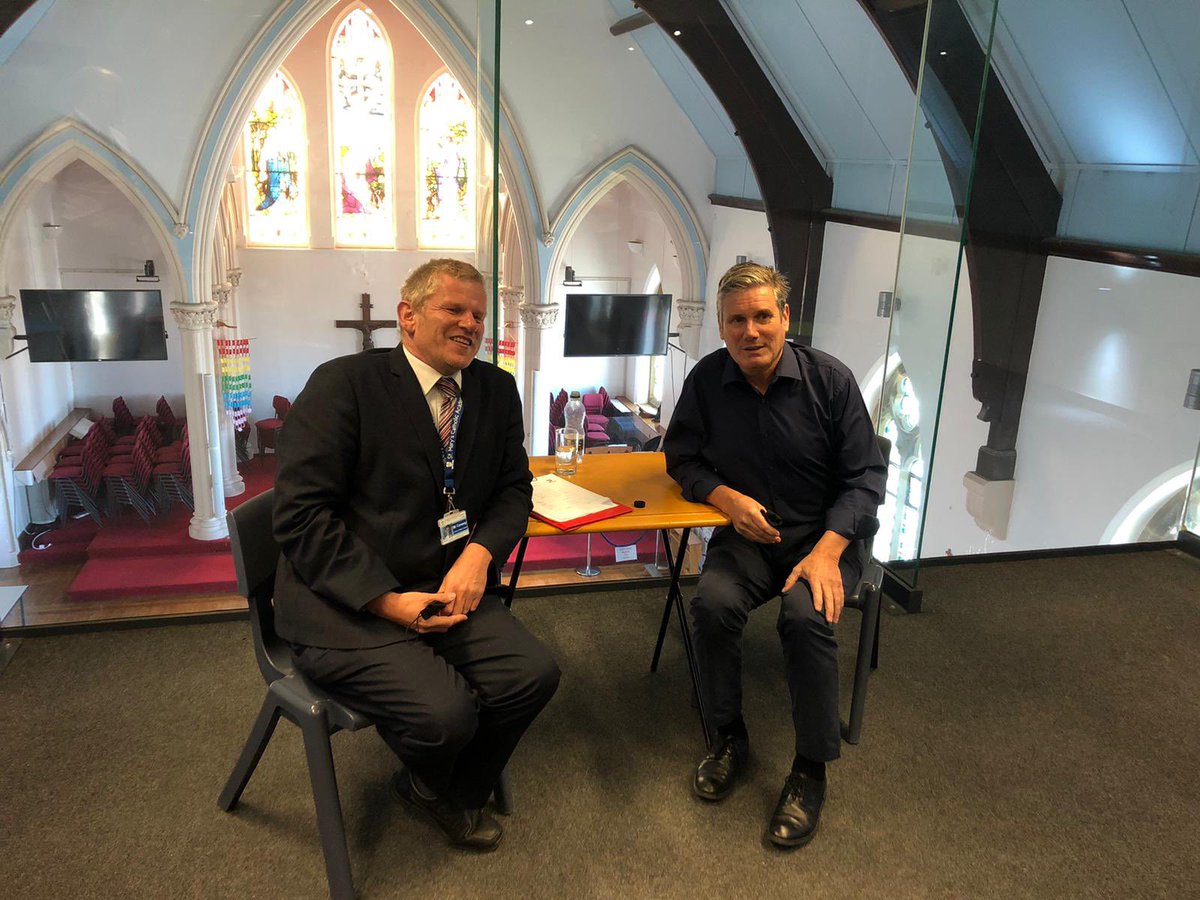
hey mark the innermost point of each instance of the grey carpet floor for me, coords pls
(1035, 733)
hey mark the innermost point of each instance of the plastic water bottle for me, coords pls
(574, 415)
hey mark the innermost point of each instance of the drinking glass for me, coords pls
(568, 447)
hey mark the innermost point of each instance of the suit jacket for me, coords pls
(358, 493)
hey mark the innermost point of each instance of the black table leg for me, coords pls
(675, 598)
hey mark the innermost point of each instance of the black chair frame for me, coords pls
(292, 696)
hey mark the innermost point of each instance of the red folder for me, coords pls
(572, 524)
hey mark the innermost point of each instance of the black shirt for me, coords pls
(806, 449)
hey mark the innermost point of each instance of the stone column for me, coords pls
(536, 319)
(222, 294)
(691, 317)
(8, 535)
(195, 321)
(511, 299)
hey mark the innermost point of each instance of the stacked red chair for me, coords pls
(124, 420)
(77, 480)
(557, 417)
(595, 422)
(267, 429)
(127, 479)
(173, 477)
(167, 422)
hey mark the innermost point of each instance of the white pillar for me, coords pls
(536, 319)
(8, 513)
(511, 299)
(691, 317)
(195, 321)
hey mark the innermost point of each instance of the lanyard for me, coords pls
(448, 452)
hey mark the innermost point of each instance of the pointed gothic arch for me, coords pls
(635, 168)
(68, 142)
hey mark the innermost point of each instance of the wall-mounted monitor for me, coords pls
(94, 326)
(616, 324)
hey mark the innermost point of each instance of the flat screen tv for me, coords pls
(94, 326)
(616, 324)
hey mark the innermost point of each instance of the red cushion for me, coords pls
(67, 472)
(268, 424)
(116, 470)
(593, 403)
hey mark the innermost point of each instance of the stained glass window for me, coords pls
(275, 145)
(363, 132)
(446, 159)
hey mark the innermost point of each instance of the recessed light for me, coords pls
(941, 53)
(630, 49)
(529, 21)
(677, 33)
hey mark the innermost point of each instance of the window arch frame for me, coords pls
(335, 192)
(419, 178)
(302, 167)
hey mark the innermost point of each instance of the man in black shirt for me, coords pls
(778, 438)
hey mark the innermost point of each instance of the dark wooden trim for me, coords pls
(793, 181)
(1189, 543)
(940, 562)
(52, 629)
(1170, 261)
(630, 23)
(737, 202)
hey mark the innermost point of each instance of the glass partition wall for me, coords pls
(931, 283)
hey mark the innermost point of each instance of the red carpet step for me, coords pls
(161, 536)
(152, 576)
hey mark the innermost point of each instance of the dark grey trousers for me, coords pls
(451, 706)
(740, 576)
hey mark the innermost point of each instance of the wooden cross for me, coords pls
(366, 324)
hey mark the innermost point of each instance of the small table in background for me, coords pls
(628, 478)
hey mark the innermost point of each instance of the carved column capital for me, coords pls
(8, 303)
(221, 293)
(235, 276)
(194, 316)
(539, 316)
(691, 313)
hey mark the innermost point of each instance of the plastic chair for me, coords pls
(289, 693)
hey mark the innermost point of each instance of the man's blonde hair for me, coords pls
(426, 279)
(744, 276)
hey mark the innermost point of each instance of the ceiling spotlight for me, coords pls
(677, 32)
(529, 21)
(630, 49)
(941, 53)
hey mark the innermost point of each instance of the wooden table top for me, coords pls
(626, 477)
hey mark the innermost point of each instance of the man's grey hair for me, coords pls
(426, 279)
(747, 275)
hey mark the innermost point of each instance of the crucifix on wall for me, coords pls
(366, 324)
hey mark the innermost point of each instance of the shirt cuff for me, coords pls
(697, 489)
(853, 527)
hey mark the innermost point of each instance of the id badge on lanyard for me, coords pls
(453, 525)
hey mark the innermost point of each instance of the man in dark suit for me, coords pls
(402, 486)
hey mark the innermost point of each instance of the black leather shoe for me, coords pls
(717, 772)
(472, 829)
(798, 811)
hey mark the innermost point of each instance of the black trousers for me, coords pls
(451, 706)
(740, 576)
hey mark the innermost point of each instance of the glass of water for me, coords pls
(568, 447)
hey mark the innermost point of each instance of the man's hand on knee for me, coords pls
(467, 578)
(820, 569)
(407, 609)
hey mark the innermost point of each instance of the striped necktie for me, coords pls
(449, 391)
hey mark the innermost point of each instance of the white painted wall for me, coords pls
(141, 73)
(35, 396)
(101, 229)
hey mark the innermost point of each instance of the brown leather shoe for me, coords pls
(472, 829)
(718, 771)
(798, 811)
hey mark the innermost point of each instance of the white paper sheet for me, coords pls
(561, 501)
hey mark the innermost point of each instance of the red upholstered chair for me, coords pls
(593, 406)
(267, 429)
(166, 419)
(123, 418)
